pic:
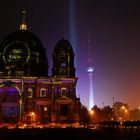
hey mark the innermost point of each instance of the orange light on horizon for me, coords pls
(91, 112)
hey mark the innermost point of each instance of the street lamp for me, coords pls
(32, 116)
(123, 107)
(125, 112)
(91, 112)
(20, 107)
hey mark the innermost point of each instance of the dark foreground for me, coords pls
(69, 134)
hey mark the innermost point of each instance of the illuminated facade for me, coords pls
(27, 93)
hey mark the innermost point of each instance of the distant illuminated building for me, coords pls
(27, 93)
(91, 98)
(90, 70)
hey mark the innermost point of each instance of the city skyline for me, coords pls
(115, 32)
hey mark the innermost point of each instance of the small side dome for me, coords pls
(22, 53)
(63, 44)
(63, 59)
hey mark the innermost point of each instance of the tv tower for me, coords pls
(90, 70)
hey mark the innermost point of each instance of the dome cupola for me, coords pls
(22, 53)
(63, 59)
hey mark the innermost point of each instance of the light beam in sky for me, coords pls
(72, 25)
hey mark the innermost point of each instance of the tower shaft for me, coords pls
(90, 73)
(91, 99)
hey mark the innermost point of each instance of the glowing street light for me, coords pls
(123, 107)
(91, 112)
(125, 112)
(32, 116)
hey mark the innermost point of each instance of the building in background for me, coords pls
(90, 71)
(27, 93)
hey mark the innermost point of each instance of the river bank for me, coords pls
(69, 134)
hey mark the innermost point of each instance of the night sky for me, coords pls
(115, 38)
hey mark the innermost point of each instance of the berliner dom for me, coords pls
(27, 93)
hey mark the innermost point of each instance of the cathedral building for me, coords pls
(27, 93)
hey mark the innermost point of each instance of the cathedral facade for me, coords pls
(27, 93)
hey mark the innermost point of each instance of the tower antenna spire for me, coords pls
(23, 25)
(89, 49)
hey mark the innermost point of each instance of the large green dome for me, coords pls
(22, 53)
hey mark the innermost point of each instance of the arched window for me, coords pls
(30, 93)
(63, 91)
(42, 92)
